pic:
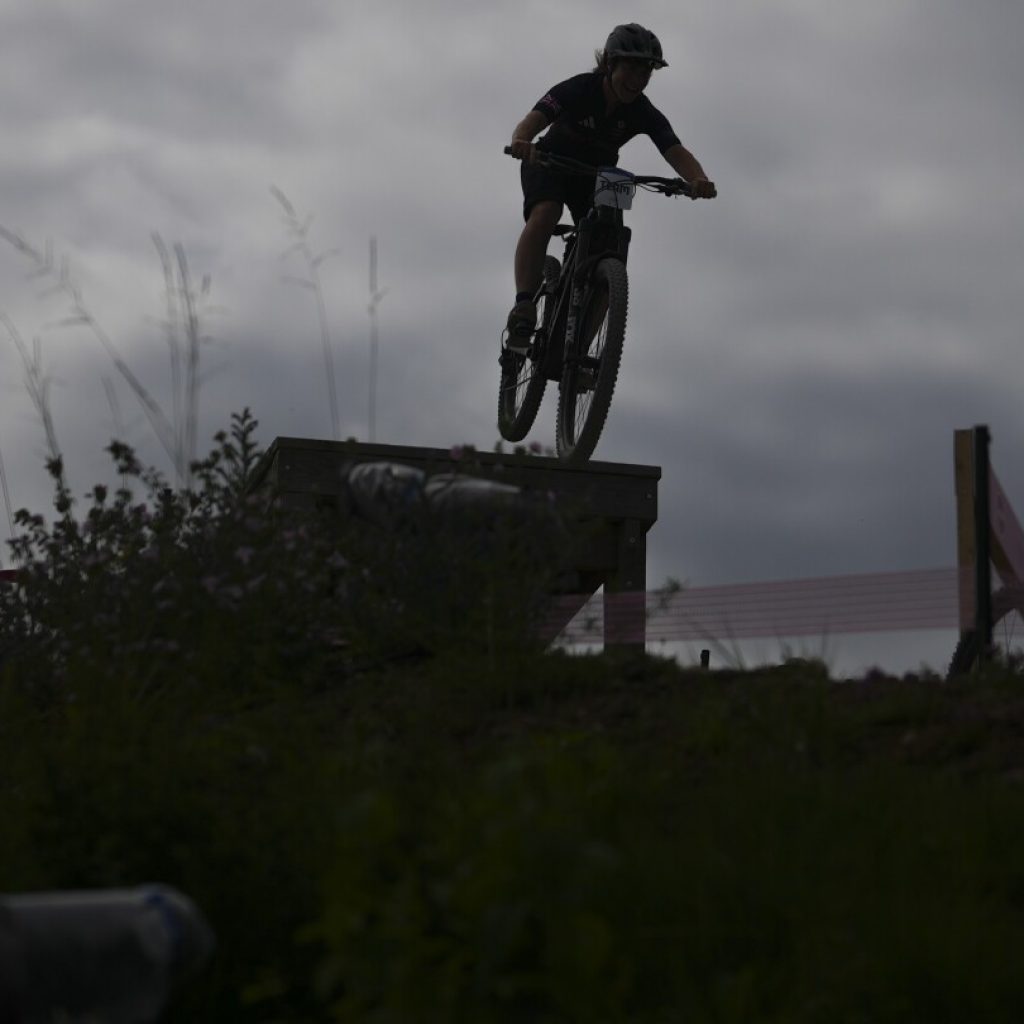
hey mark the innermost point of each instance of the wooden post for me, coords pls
(982, 546)
(625, 590)
(963, 460)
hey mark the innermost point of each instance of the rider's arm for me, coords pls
(524, 133)
(687, 166)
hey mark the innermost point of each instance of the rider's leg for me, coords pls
(530, 252)
(533, 244)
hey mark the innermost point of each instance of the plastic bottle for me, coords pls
(110, 955)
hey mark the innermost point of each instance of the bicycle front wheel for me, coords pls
(592, 368)
(522, 376)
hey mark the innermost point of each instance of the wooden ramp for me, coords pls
(612, 504)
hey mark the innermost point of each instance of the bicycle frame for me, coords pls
(600, 234)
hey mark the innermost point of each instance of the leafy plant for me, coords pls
(181, 587)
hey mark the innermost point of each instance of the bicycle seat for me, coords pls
(564, 229)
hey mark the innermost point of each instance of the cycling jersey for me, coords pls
(582, 129)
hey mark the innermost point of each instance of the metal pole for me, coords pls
(982, 544)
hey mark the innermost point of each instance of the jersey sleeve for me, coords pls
(565, 96)
(660, 131)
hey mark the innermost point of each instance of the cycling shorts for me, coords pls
(575, 191)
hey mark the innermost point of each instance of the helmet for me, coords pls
(634, 41)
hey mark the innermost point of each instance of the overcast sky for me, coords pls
(799, 351)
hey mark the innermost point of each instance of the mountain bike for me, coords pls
(581, 316)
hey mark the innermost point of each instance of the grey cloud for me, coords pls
(198, 70)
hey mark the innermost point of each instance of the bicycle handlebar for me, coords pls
(668, 186)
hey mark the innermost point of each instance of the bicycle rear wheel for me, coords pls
(522, 376)
(588, 380)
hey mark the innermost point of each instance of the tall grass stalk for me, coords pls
(299, 231)
(37, 383)
(183, 331)
(376, 297)
(177, 433)
(7, 501)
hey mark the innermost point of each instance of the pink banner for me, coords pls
(864, 603)
(1007, 534)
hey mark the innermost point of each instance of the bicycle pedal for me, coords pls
(586, 374)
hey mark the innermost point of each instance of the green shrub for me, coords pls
(204, 589)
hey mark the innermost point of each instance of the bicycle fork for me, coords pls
(575, 356)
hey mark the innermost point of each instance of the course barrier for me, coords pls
(862, 603)
(960, 597)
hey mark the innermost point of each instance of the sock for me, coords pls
(520, 296)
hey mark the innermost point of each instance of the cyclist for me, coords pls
(591, 116)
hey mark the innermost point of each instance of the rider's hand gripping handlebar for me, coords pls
(653, 182)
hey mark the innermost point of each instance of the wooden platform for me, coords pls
(614, 504)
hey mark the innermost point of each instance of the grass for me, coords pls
(417, 847)
(389, 813)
